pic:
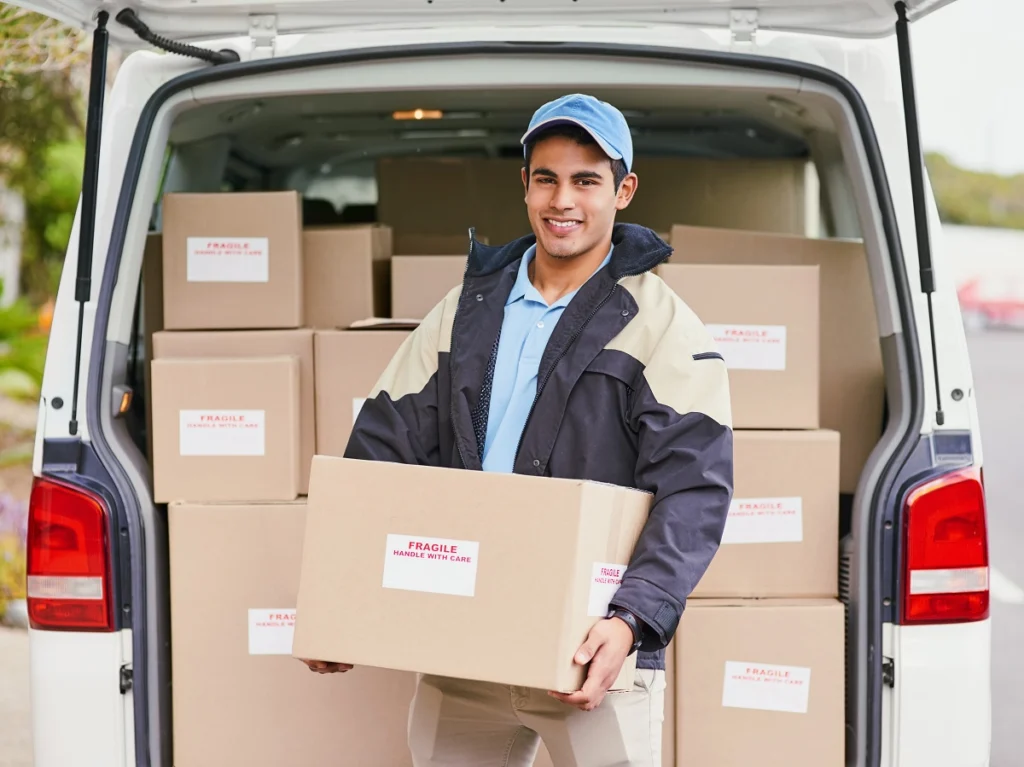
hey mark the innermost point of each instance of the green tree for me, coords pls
(41, 134)
(975, 198)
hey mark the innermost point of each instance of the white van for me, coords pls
(298, 95)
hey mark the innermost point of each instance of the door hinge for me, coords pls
(888, 672)
(743, 24)
(126, 678)
(263, 32)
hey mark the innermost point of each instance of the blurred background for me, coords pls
(972, 119)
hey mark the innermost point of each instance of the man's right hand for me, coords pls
(326, 667)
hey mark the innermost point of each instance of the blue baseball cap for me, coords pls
(601, 120)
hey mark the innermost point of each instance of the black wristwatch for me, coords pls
(634, 625)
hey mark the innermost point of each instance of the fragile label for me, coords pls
(433, 565)
(766, 687)
(751, 347)
(357, 405)
(221, 432)
(764, 520)
(271, 631)
(228, 259)
(604, 582)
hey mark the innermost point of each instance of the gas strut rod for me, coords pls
(127, 17)
(924, 248)
(90, 182)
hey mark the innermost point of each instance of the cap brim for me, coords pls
(570, 121)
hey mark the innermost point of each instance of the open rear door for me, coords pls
(208, 19)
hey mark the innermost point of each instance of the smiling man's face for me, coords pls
(571, 197)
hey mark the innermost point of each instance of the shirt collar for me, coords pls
(523, 288)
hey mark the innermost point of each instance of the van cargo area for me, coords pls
(337, 202)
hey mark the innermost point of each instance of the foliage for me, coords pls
(22, 350)
(13, 521)
(32, 43)
(974, 198)
(41, 130)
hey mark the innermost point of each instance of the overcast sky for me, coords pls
(969, 62)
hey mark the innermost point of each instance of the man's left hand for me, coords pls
(606, 649)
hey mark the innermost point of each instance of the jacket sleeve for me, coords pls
(682, 417)
(398, 422)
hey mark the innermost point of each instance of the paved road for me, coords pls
(15, 722)
(998, 361)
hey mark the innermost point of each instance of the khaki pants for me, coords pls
(457, 723)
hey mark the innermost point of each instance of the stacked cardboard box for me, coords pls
(249, 325)
(258, 366)
(760, 647)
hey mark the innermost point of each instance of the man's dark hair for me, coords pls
(578, 135)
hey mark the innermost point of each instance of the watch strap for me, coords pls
(634, 626)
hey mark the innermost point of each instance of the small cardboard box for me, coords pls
(346, 272)
(232, 261)
(782, 535)
(239, 695)
(419, 283)
(348, 365)
(226, 429)
(439, 563)
(255, 343)
(852, 378)
(761, 682)
(764, 320)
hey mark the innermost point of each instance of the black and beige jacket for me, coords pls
(630, 392)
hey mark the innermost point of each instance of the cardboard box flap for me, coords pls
(383, 323)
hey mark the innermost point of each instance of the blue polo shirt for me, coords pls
(525, 331)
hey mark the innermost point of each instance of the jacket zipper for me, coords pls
(572, 339)
(451, 356)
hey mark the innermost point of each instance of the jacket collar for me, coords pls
(637, 249)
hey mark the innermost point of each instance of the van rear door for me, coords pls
(208, 19)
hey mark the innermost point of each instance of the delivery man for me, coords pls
(562, 355)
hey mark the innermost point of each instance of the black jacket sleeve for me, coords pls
(682, 418)
(399, 420)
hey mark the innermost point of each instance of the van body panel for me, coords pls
(943, 682)
(79, 716)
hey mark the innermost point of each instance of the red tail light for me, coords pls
(68, 559)
(945, 551)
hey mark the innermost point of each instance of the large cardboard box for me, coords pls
(232, 260)
(239, 696)
(761, 682)
(764, 194)
(226, 429)
(446, 195)
(348, 366)
(346, 272)
(764, 320)
(782, 535)
(852, 386)
(442, 565)
(434, 244)
(255, 343)
(419, 283)
(440, 196)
